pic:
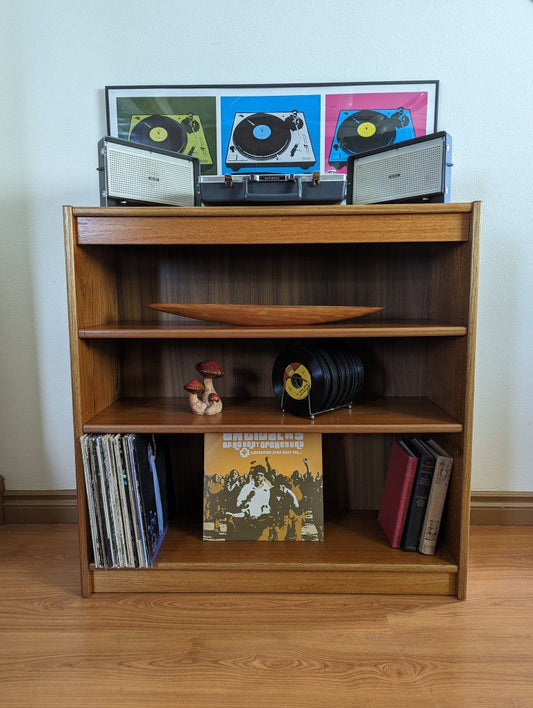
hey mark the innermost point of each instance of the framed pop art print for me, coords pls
(287, 128)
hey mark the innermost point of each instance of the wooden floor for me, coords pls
(57, 649)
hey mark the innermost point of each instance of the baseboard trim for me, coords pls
(501, 509)
(39, 507)
(2, 492)
(59, 506)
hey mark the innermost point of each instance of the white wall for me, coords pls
(57, 56)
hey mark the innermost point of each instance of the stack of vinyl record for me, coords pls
(125, 480)
(315, 378)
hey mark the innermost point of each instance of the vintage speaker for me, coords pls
(136, 174)
(417, 170)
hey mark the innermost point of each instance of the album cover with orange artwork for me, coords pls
(263, 487)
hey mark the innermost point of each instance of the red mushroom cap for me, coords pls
(210, 369)
(194, 386)
(214, 397)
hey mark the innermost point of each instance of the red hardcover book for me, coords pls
(401, 472)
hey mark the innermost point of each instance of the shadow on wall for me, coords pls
(21, 443)
(494, 454)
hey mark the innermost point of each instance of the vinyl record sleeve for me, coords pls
(93, 503)
(127, 511)
(105, 487)
(150, 467)
(263, 487)
(135, 501)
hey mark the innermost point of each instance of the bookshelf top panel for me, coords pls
(275, 225)
(311, 209)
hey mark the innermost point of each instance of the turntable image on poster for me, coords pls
(177, 133)
(359, 131)
(359, 122)
(271, 134)
(184, 124)
(263, 487)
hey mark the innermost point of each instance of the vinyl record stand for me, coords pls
(312, 414)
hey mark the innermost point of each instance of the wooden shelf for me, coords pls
(171, 415)
(353, 541)
(354, 549)
(194, 329)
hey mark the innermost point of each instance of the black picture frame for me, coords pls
(202, 120)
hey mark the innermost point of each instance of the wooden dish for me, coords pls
(266, 314)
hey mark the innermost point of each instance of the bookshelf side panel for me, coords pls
(450, 379)
(91, 287)
(468, 419)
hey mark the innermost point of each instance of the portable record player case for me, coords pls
(136, 174)
(417, 170)
(263, 188)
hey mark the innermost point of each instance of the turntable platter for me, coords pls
(160, 132)
(366, 130)
(261, 136)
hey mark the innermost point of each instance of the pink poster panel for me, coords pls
(355, 122)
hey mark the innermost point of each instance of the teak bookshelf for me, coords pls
(129, 364)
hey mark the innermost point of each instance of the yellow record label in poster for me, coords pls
(366, 129)
(297, 381)
(158, 134)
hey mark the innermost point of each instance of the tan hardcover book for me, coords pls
(437, 497)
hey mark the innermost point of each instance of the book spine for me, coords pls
(437, 496)
(417, 505)
(404, 504)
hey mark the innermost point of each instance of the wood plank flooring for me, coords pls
(244, 651)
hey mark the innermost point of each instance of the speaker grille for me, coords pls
(412, 171)
(148, 177)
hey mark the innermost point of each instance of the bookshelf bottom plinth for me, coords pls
(263, 581)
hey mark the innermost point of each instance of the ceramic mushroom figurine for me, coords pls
(214, 405)
(209, 370)
(194, 389)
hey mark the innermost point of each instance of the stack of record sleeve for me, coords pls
(126, 485)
